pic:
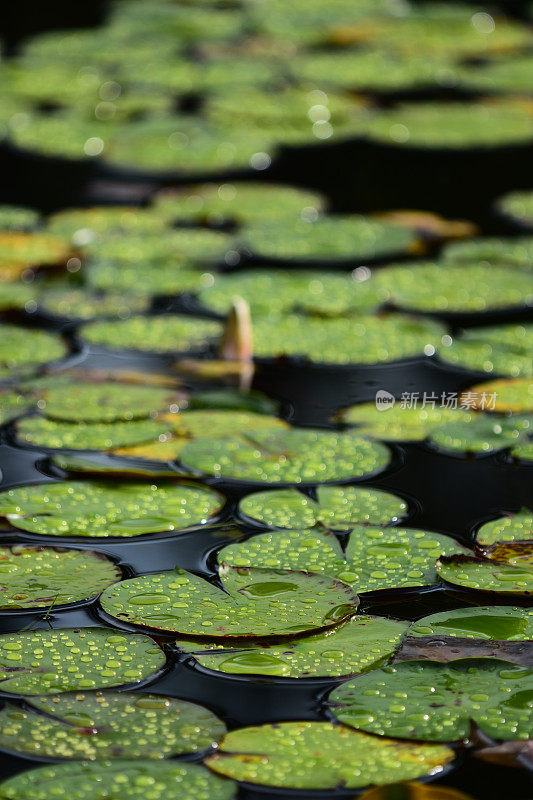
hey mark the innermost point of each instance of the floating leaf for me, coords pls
(504, 349)
(360, 644)
(319, 755)
(523, 452)
(485, 622)
(70, 659)
(81, 304)
(480, 433)
(33, 249)
(23, 349)
(486, 575)
(504, 252)
(44, 432)
(508, 754)
(89, 508)
(449, 648)
(435, 702)
(14, 295)
(292, 456)
(400, 421)
(156, 278)
(18, 218)
(95, 725)
(84, 225)
(36, 577)
(253, 603)
(12, 405)
(337, 507)
(510, 75)
(375, 558)
(188, 246)
(513, 395)
(159, 334)
(233, 400)
(511, 528)
(518, 207)
(129, 780)
(105, 402)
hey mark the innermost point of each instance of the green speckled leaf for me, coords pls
(38, 577)
(73, 659)
(485, 622)
(22, 349)
(44, 432)
(399, 423)
(486, 575)
(480, 433)
(503, 252)
(511, 528)
(89, 508)
(185, 245)
(32, 249)
(292, 456)
(510, 75)
(337, 507)
(83, 305)
(523, 452)
(95, 725)
(503, 349)
(517, 206)
(376, 558)
(358, 645)
(155, 278)
(254, 603)
(435, 702)
(84, 225)
(129, 780)
(15, 295)
(106, 402)
(18, 218)
(319, 755)
(159, 334)
(12, 405)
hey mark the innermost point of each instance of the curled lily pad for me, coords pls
(358, 645)
(504, 349)
(15, 295)
(18, 218)
(359, 340)
(480, 433)
(509, 395)
(486, 575)
(375, 558)
(337, 507)
(106, 402)
(95, 725)
(402, 422)
(504, 252)
(319, 755)
(36, 577)
(436, 702)
(126, 779)
(517, 206)
(84, 305)
(292, 456)
(511, 528)
(159, 334)
(88, 435)
(485, 622)
(23, 350)
(254, 603)
(70, 659)
(89, 508)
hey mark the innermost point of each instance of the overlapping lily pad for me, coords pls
(515, 252)
(436, 702)
(255, 603)
(158, 334)
(12, 405)
(171, 277)
(73, 659)
(401, 422)
(486, 575)
(502, 349)
(511, 528)
(480, 433)
(504, 395)
(96, 725)
(374, 558)
(319, 755)
(83, 225)
(358, 645)
(337, 507)
(22, 350)
(88, 435)
(29, 250)
(89, 508)
(292, 456)
(81, 304)
(130, 780)
(38, 577)
(503, 623)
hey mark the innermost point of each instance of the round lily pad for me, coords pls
(159, 334)
(360, 644)
(337, 507)
(359, 340)
(504, 395)
(89, 508)
(319, 755)
(84, 305)
(192, 245)
(486, 575)
(503, 349)
(254, 603)
(511, 528)
(15, 295)
(292, 456)
(18, 218)
(84, 225)
(328, 238)
(157, 278)
(23, 349)
(515, 252)
(374, 558)
(518, 207)
(432, 701)
(88, 435)
(480, 433)
(130, 780)
(73, 659)
(37, 577)
(105, 402)
(485, 622)
(95, 725)
(400, 422)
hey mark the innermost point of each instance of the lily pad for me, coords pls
(436, 702)
(188, 246)
(73, 659)
(87, 435)
(160, 334)
(15, 295)
(84, 225)
(89, 508)
(157, 278)
(12, 405)
(292, 456)
(480, 433)
(80, 304)
(518, 207)
(511, 528)
(375, 558)
(120, 725)
(254, 603)
(505, 395)
(401, 422)
(37, 577)
(504, 623)
(515, 252)
(319, 755)
(33, 249)
(126, 779)
(510, 76)
(486, 575)
(360, 644)
(23, 349)
(523, 452)
(18, 218)
(503, 349)
(337, 507)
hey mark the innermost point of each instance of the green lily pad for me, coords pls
(43, 432)
(156, 278)
(360, 644)
(518, 207)
(485, 622)
(375, 558)
(36, 577)
(18, 218)
(504, 349)
(292, 456)
(511, 528)
(186, 245)
(510, 75)
(358, 340)
(130, 780)
(523, 452)
(337, 507)
(508, 395)
(432, 701)
(73, 659)
(23, 350)
(15, 295)
(233, 400)
(319, 755)
(120, 725)
(84, 225)
(400, 422)
(328, 238)
(89, 508)
(480, 433)
(33, 249)
(12, 405)
(486, 575)
(185, 23)
(254, 603)
(504, 252)
(82, 304)
(158, 334)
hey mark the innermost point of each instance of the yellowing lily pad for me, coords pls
(509, 395)
(160, 334)
(511, 528)
(486, 575)
(484, 622)
(33, 249)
